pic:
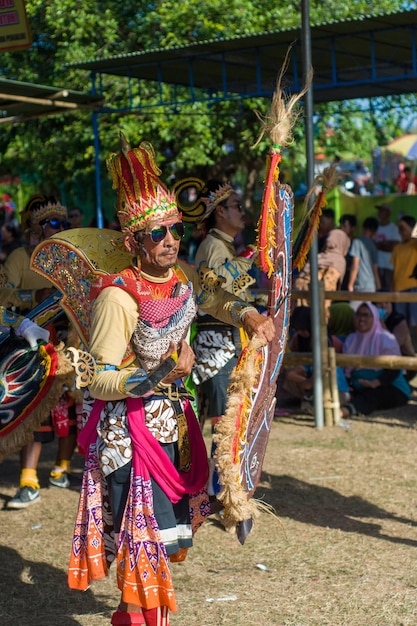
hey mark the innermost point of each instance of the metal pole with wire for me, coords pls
(99, 209)
(309, 133)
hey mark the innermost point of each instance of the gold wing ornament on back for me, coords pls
(72, 261)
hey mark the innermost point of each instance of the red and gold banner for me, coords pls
(14, 27)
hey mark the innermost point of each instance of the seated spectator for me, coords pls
(341, 316)
(297, 381)
(363, 252)
(404, 260)
(373, 388)
(397, 325)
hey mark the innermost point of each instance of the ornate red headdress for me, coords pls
(142, 197)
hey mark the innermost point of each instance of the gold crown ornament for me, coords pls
(40, 207)
(217, 197)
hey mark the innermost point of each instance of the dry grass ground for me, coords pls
(343, 552)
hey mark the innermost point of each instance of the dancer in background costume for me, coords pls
(143, 494)
(217, 345)
(42, 217)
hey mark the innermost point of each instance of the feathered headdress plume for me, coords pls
(279, 124)
(326, 181)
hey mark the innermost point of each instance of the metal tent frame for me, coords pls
(366, 57)
(20, 101)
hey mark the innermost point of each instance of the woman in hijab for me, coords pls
(297, 380)
(331, 264)
(372, 388)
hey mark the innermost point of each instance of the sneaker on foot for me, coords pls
(60, 480)
(23, 498)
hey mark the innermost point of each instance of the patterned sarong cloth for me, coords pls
(142, 564)
(214, 346)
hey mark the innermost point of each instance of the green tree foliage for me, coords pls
(57, 153)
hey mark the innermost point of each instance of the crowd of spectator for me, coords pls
(382, 256)
(376, 254)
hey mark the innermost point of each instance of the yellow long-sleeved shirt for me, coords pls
(21, 282)
(114, 318)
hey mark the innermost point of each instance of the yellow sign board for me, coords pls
(14, 28)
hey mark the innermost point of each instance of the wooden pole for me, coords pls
(333, 385)
(389, 362)
(368, 296)
(324, 345)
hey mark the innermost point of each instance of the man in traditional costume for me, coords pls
(143, 494)
(217, 345)
(23, 289)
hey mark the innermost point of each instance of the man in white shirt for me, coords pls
(386, 238)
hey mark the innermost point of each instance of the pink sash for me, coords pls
(148, 456)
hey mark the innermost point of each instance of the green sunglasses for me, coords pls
(158, 233)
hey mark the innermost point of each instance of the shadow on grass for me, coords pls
(404, 417)
(321, 506)
(37, 594)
